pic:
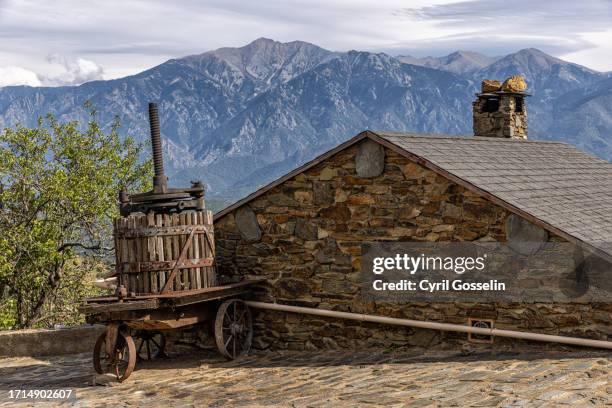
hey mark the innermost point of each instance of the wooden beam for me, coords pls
(157, 231)
(174, 299)
(180, 259)
(91, 308)
(137, 267)
(206, 296)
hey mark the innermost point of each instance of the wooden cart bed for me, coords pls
(105, 304)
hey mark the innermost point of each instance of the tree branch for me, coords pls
(53, 282)
(83, 246)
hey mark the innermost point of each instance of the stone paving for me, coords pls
(412, 378)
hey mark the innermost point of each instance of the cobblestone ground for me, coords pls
(330, 379)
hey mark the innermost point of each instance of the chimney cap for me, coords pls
(513, 85)
(499, 93)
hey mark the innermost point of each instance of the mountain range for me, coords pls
(237, 118)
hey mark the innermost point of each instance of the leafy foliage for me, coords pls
(58, 197)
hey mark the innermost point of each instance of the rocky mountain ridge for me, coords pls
(239, 117)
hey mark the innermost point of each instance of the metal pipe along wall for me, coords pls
(433, 325)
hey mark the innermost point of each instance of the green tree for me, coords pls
(59, 195)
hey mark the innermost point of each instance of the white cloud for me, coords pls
(128, 36)
(60, 72)
(594, 57)
(72, 72)
(558, 27)
(18, 76)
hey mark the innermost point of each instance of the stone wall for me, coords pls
(304, 237)
(49, 342)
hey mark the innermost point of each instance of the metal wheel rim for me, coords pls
(100, 357)
(233, 328)
(150, 345)
(125, 357)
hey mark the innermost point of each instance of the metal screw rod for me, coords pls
(158, 161)
(160, 181)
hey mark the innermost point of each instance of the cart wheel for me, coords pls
(150, 344)
(233, 328)
(122, 363)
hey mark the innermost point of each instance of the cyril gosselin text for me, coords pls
(415, 274)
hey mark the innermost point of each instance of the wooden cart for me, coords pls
(165, 276)
(135, 326)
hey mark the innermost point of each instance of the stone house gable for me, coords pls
(303, 234)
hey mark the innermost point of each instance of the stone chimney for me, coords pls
(500, 110)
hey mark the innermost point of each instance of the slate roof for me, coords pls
(553, 184)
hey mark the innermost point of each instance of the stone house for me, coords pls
(303, 232)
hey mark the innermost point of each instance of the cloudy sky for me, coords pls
(67, 42)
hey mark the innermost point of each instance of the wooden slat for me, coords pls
(117, 241)
(210, 245)
(152, 254)
(181, 257)
(202, 250)
(142, 284)
(135, 245)
(167, 248)
(161, 256)
(176, 242)
(189, 255)
(121, 242)
(117, 246)
(183, 239)
(125, 255)
(91, 308)
(142, 256)
(196, 250)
